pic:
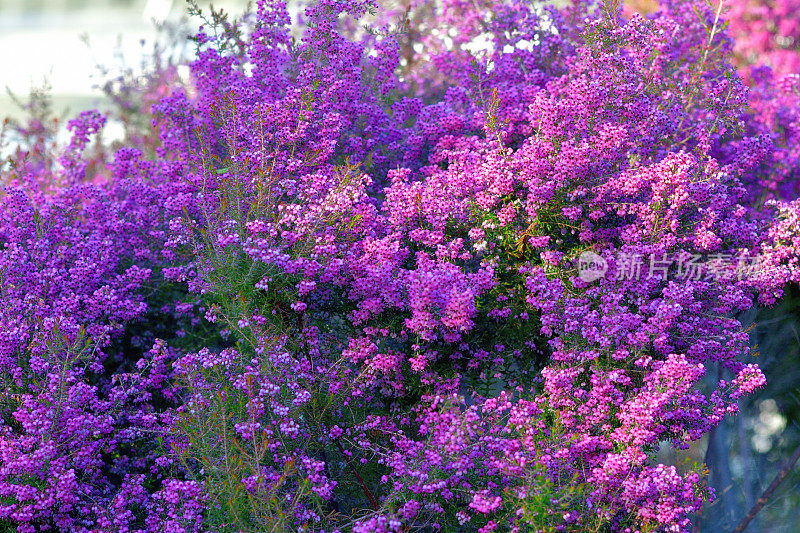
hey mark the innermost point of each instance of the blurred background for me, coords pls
(70, 48)
(62, 42)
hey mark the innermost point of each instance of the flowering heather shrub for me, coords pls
(338, 288)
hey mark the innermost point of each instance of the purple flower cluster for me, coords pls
(78, 258)
(336, 288)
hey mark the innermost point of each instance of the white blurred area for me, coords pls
(47, 40)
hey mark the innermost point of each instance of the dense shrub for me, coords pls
(466, 268)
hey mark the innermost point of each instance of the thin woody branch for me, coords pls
(762, 501)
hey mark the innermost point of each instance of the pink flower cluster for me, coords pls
(335, 288)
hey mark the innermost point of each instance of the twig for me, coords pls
(353, 468)
(716, 22)
(762, 501)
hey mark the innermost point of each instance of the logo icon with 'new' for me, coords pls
(591, 266)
